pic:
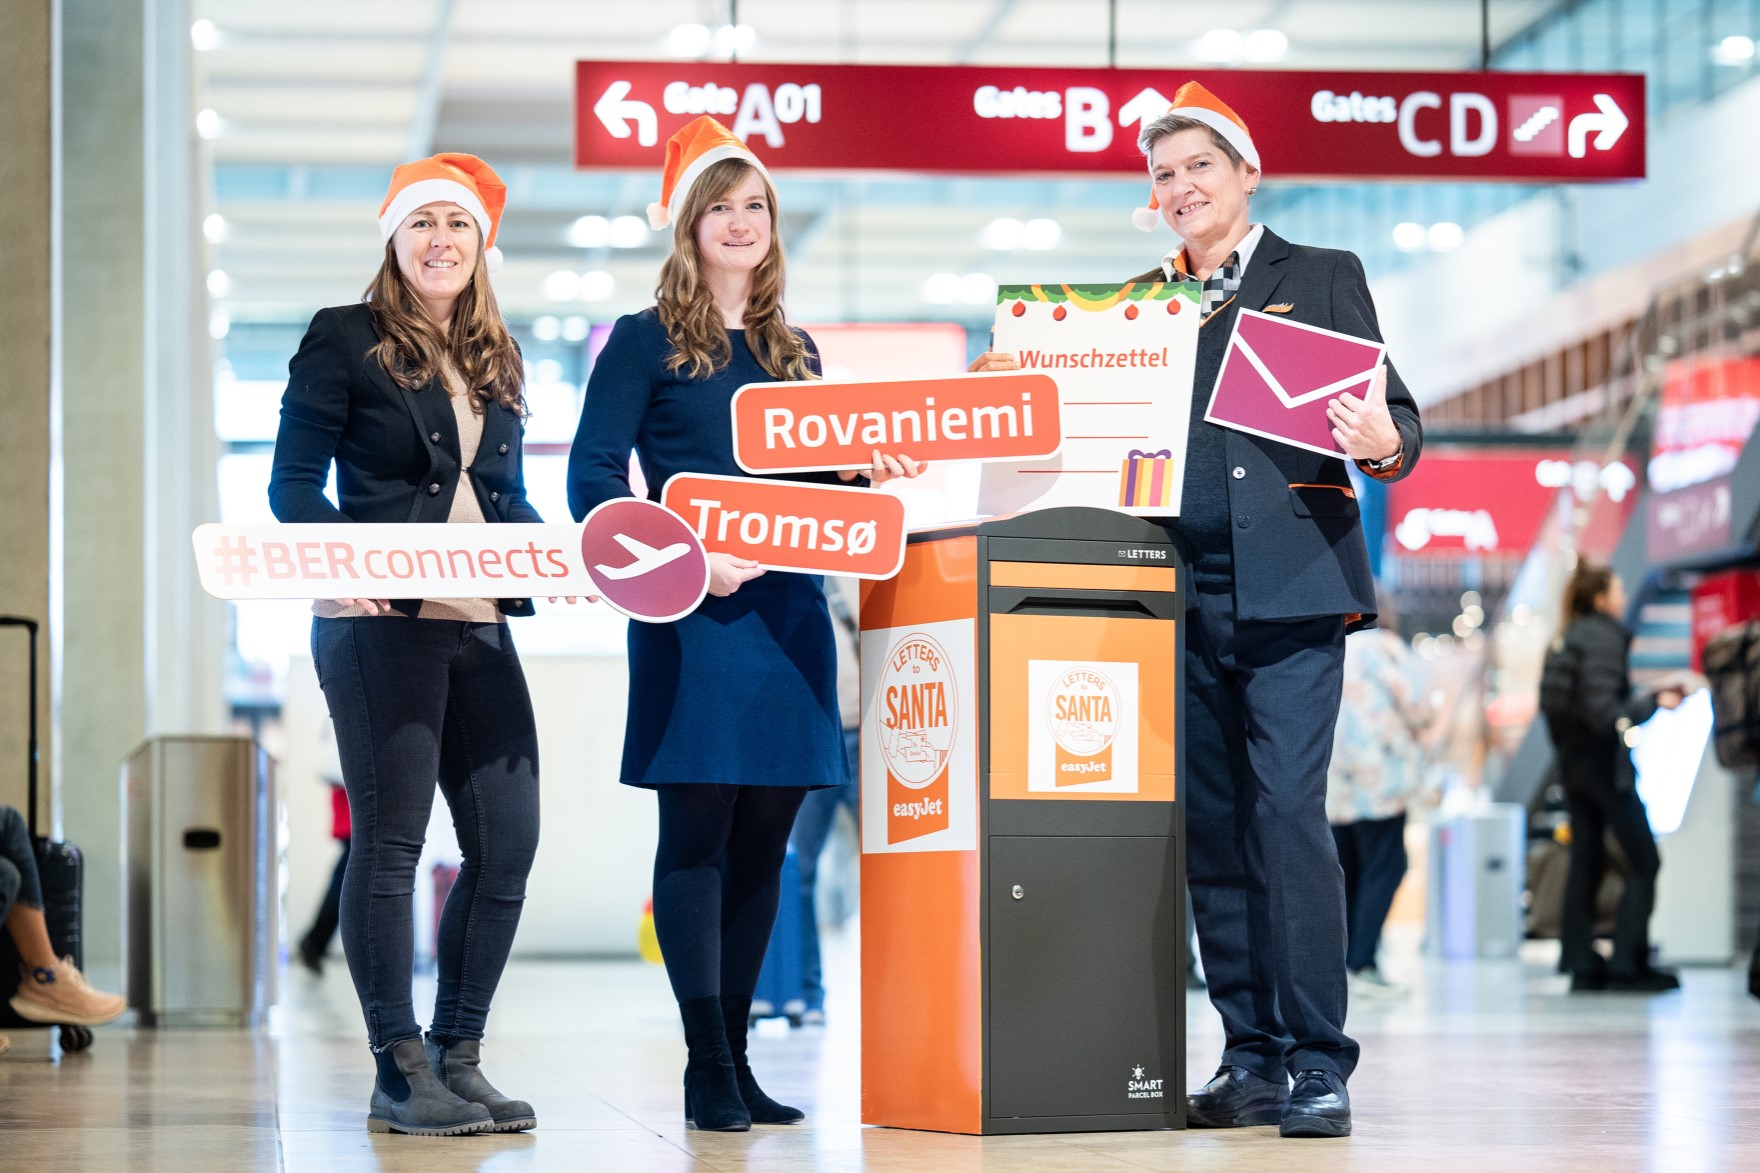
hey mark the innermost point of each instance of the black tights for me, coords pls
(717, 876)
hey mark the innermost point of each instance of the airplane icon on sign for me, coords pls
(647, 557)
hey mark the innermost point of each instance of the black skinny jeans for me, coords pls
(717, 880)
(414, 700)
(1592, 814)
(19, 882)
(1372, 853)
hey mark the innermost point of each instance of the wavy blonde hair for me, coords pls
(411, 346)
(693, 321)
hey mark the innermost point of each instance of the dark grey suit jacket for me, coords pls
(1299, 550)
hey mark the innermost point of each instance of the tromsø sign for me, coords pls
(1543, 127)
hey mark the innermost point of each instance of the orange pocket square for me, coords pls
(1281, 308)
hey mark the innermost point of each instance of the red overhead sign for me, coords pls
(1550, 127)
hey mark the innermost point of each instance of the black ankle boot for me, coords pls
(736, 1014)
(711, 1093)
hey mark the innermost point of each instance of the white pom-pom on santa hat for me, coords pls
(658, 217)
(1146, 218)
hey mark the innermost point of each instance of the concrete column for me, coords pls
(28, 386)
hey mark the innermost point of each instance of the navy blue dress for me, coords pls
(743, 690)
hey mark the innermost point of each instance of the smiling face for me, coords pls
(1202, 192)
(734, 232)
(437, 248)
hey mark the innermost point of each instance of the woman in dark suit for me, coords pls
(733, 711)
(415, 395)
(1279, 571)
(1600, 789)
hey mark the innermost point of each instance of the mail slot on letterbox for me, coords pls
(1023, 948)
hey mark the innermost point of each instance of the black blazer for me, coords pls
(396, 451)
(1299, 550)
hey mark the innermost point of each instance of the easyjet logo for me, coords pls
(1084, 708)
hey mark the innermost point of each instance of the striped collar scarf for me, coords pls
(1221, 285)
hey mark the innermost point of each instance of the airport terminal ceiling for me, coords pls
(305, 108)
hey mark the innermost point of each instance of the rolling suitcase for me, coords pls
(61, 870)
(781, 991)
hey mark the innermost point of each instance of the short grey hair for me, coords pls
(1173, 123)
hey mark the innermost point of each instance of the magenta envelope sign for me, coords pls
(1278, 376)
(644, 560)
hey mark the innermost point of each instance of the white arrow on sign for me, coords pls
(613, 110)
(1144, 108)
(1607, 125)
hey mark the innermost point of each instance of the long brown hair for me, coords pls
(1588, 582)
(411, 345)
(693, 321)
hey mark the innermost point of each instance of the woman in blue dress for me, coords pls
(733, 710)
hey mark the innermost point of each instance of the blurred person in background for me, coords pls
(51, 989)
(1588, 672)
(316, 941)
(423, 689)
(1378, 767)
(733, 714)
(818, 814)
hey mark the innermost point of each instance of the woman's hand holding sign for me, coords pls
(1364, 427)
(727, 573)
(994, 360)
(886, 468)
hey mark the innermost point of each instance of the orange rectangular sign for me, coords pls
(815, 426)
(785, 525)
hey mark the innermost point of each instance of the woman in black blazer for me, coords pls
(415, 395)
(1278, 571)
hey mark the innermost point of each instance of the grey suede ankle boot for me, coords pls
(457, 1066)
(409, 1098)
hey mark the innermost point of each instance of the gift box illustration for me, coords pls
(1146, 478)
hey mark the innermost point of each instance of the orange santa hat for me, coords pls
(1194, 101)
(699, 145)
(461, 179)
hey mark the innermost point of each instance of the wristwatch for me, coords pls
(1389, 462)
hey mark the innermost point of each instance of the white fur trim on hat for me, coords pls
(1225, 126)
(428, 191)
(694, 172)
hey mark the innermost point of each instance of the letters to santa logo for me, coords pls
(1084, 710)
(918, 702)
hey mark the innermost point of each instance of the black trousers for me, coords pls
(1593, 813)
(1372, 853)
(1267, 892)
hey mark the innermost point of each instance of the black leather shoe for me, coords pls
(1318, 1106)
(1235, 1098)
(1645, 981)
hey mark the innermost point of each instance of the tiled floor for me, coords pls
(1486, 1067)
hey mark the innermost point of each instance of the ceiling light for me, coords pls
(546, 328)
(204, 36)
(1409, 237)
(214, 227)
(735, 38)
(977, 289)
(1003, 234)
(1445, 236)
(208, 124)
(628, 232)
(574, 328)
(589, 232)
(1220, 45)
(941, 289)
(218, 283)
(219, 325)
(596, 285)
(1042, 234)
(1266, 45)
(688, 40)
(1736, 50)
(562, 285)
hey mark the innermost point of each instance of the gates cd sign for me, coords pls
(919, 765)
(1082, 726)
(1535, 127)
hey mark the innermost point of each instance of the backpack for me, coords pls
(1558, 691)
(1732, 666)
